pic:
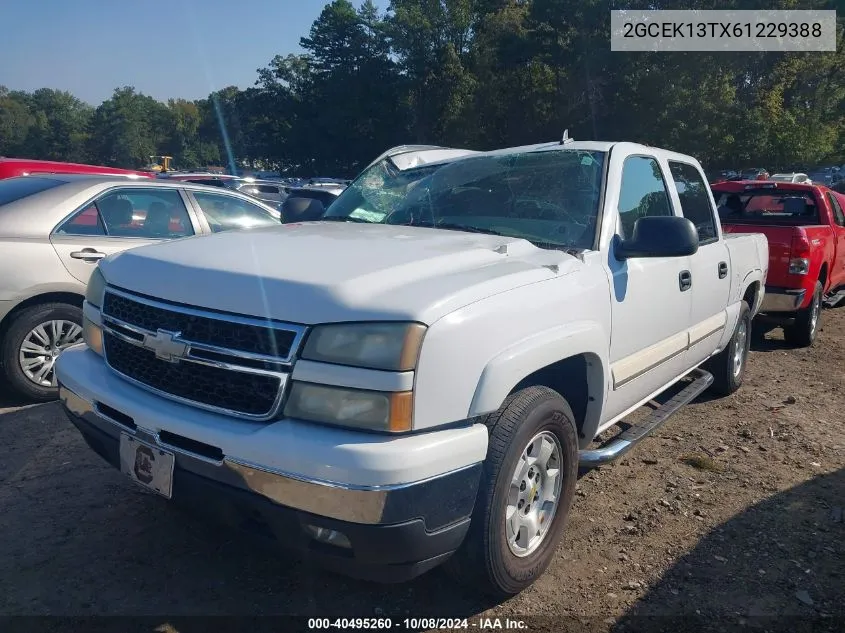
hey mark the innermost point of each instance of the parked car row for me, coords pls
(271, 191)
(415, 379)
(827, 176)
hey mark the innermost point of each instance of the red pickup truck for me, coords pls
(14, 167)
(805, 226)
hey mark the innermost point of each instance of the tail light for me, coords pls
(799, 255)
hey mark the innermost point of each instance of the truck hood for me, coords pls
(321, 272)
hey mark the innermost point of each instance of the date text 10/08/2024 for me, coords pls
(415, 624)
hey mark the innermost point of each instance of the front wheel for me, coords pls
(525, 494)
(34, 339)
(805, 329)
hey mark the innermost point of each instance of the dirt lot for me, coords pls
(733, 509)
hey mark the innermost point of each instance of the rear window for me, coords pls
(764, 207)
(13, 189)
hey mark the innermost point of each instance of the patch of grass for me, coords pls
(702, 462)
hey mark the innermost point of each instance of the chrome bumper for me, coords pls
(433, 499)
(782, 300)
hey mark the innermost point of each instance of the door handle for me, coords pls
(685, 280)
(723, 270)
(88, 254)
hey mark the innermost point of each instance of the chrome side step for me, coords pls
(833, 300)
(626, 440)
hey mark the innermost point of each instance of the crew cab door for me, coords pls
(710, 267)
(117, 220)
(650, 300)
(837, 272)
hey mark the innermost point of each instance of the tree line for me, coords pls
(465, 73)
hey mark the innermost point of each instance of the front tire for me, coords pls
(804, 331)
(525, 494)
(31, 344)
(728, 366)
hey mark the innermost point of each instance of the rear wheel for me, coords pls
(32, 343)
(524, 496)
(728, 366)
(805, 329)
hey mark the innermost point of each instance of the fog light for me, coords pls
(325, 535)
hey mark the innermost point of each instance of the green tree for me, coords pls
(15, 122)
(128, 128)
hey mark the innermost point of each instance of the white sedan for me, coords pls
(55, 228)
(793, 177)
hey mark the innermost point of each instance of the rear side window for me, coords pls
(140, 213)
(13, 189)
(838, 215)
(695, 202)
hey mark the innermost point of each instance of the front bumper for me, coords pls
(782, 299)
(395, 531)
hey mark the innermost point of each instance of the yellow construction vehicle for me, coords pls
(160, 164)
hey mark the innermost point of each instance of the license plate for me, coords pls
(147, 465)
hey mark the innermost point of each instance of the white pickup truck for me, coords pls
(415, 378)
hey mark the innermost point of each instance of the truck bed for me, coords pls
(781, 239)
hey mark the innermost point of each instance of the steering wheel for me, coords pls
(415, 215)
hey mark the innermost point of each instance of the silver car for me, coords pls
(53, 231)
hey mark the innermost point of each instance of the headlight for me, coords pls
(369, 410)
(92, 334)
(386, 346)
(96, 290)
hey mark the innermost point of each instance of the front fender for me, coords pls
(505, 370)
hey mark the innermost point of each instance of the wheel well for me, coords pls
(570, 378)
(49, 297)
(751, 294)
(823, 275)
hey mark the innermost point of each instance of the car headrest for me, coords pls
(795, 206)
(301, 210)
(117, 211)
(158, 217)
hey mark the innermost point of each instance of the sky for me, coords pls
(173, 48)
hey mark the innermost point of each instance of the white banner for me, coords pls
(712, 31)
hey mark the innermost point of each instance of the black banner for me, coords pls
(523, 624)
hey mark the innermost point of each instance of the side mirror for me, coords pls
(301, 210)
(658, 236)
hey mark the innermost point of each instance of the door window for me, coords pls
(695, 203)
(142, 213)
(642, 192)
(838, 215)
(225, 213)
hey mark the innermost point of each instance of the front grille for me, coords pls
(241, 392)
(230, 335)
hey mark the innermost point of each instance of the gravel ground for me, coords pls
(733, 509)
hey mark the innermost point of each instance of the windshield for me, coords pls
(550, 198)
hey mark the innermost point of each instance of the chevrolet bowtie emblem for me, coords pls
(165, 345)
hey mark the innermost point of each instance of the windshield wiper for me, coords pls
(340, 218)
(465, 228)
